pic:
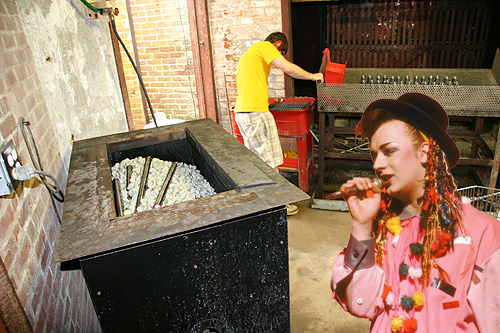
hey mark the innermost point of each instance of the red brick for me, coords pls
(10, 79)
(38, 113)
(32, 231)
(7, 219)
(8, 59)
(58, 315)
(24, 288)
(2, 90)
(39, 244)
(10, 7)
(20, 56)
(76, 295)
(19, 93)
(9, 257)
(53, 233)
(22, 257)
(30, 100)
(30, 85)
(37, 290)
(9, 41)
(44, 257)
(21, 40)
(49, 286)
(46, 295)
(3, 7)
(41, 320)
(7, 23)
(21, 73)
(30, 66)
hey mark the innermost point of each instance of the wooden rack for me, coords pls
(415, 34)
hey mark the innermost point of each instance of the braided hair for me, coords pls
(441, 202)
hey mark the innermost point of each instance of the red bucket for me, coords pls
(334, 72)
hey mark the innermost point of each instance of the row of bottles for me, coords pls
(424, 80)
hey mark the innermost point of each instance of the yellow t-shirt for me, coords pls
(251, 80)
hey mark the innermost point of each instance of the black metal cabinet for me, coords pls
(229, 277)
(215, 264)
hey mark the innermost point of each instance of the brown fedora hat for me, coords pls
(423, 113)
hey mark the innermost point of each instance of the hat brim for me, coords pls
(423, 121)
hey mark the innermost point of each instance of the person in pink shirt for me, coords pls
(420, 258)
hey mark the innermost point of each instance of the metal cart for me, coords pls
(486, 199)
(477, 95)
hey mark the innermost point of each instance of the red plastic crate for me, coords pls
(292, 163)
(290, 123)
(293, 123)
(333, 72)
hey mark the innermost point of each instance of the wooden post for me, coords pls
(202, 58)
(286, 23)
(121, 77)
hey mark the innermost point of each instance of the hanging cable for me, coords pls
(56, 194)
(111, 16)
(25, 172)
(92, 7)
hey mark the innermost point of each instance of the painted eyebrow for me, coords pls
(381, 147)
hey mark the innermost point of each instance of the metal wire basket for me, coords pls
(486, 199)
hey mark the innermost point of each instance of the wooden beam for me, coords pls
(121, 77)
(286, 24)
(145, 106)
(202, 58)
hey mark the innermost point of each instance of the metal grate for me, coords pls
(282, 106)
(478, 101)
(486, 199)
(415, 34)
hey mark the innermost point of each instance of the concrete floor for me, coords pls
(315, 239)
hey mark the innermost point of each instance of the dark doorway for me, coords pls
(309, 41)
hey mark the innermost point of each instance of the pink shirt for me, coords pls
(471, 301)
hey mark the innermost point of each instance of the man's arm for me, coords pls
(295, 71)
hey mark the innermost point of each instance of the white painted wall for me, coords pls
(75, 63)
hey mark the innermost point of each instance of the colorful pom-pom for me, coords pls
(414, 273)
(418, 297)
(394, 225)
(387, 290)
(396, 324)
(410, 325)
(407, 302)
(389, 301)
(441, 244)
(417, 248)
(403, 269)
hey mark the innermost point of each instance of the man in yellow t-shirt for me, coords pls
(255, 121)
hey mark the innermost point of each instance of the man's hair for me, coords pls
(278, 36)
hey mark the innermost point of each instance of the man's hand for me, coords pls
(319, 77)
(363, 207)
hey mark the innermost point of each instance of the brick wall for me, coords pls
(54, 301)
(164, 46)
(165, 57)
